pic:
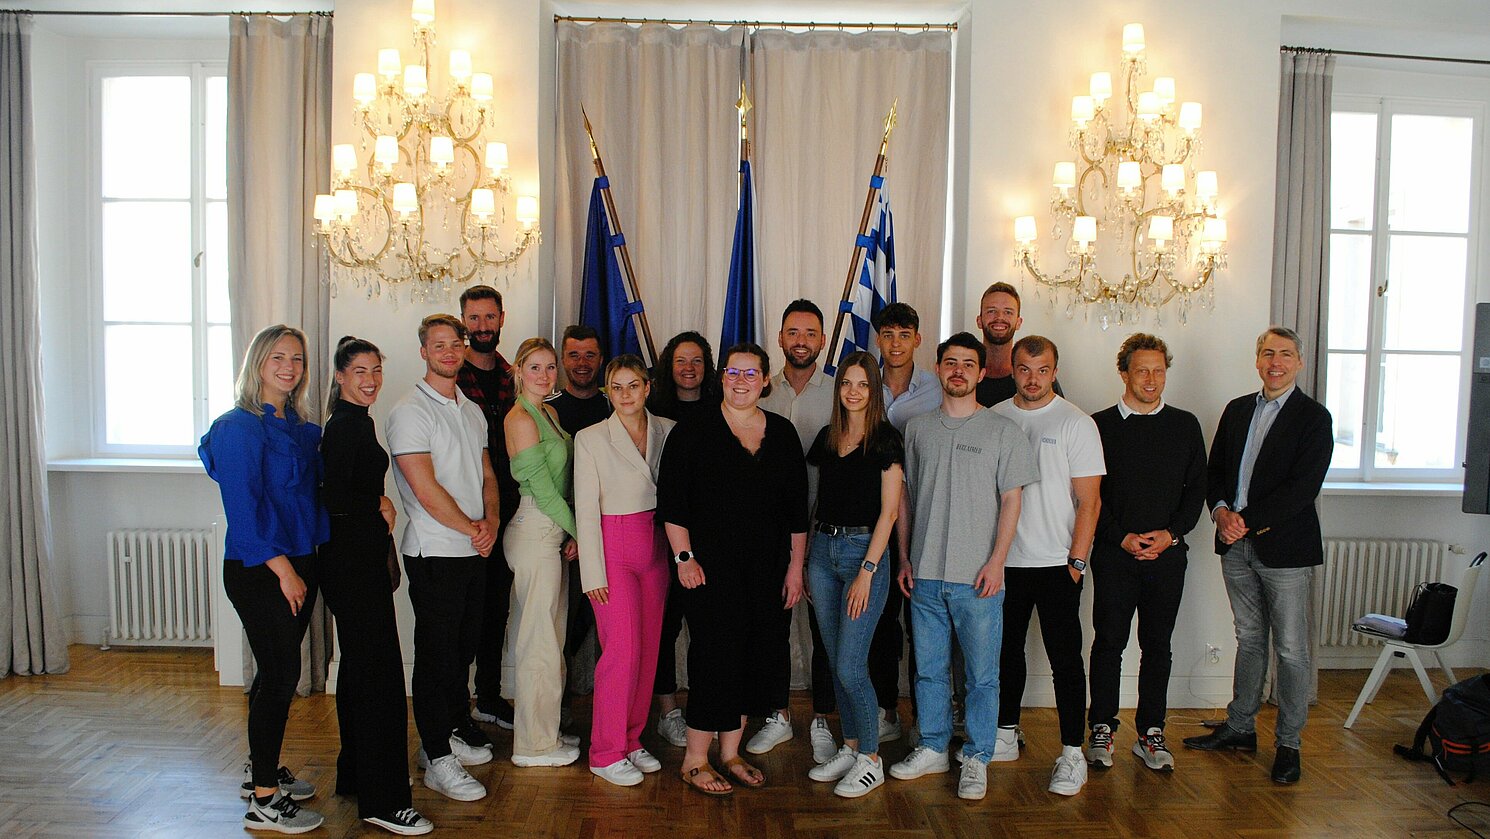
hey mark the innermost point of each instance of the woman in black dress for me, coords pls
(359, 575)
(732, 490)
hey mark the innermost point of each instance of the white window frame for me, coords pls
(199, 72)
(1386, 94)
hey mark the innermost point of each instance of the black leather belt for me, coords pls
(835, 530)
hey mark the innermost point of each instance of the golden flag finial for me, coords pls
(594, 152)
(889, 125)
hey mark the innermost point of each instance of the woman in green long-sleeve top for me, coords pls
(539, 544)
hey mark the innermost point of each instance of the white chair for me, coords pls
(1396, 648)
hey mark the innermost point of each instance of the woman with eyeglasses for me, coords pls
(684, 385)
(859, 457)
(732, 491)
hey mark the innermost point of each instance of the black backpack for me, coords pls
(1456, 730)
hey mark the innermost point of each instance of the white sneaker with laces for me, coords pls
(1069, 775)
(836, 767)
(449, 778)
(672, 728)
(561, 756)
(972, 783)
(621, 773)
(405, 822)
(867, 775)
(922, 760)
(281, 814)
(643, 760)
(777, 730)
(824, 747)
(1150, 747)
(1099, 747)
(469, 755)
(1006, 747)
(890, 730)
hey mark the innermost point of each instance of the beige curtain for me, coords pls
(279, 148)
(32, 637)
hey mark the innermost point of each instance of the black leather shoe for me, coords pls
(1224, 739)
(1286, 766)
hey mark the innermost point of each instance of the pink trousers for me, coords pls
(629, 625)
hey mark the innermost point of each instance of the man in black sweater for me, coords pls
(1151, 497)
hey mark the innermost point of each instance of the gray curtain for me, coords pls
(279, 157)
(32, 637)
(1301, 224)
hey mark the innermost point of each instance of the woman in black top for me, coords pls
(860, 478)
(359, 576)
(732, 490)
(684, 386)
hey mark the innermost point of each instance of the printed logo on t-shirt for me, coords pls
(964, 447)
(1049, 441)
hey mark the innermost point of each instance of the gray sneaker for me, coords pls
(290, 785)
(672, 728)
(1099, 746)
(1152, 750)
(280, 814)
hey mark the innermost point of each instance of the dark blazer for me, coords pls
(1283, 523)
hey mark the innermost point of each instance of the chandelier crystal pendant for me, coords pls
(1134, 180)
(420, 203)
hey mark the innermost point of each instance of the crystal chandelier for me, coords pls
(420, 203)
(1134, 177)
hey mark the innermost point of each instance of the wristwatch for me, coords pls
(868, 566)
(682, 557)
(1078, 564)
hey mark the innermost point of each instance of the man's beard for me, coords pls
(484, 345)
(802, 365)
(994, 339)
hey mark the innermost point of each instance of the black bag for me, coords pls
(1456, 730)
(1431, 613)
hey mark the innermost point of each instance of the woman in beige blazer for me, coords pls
(623, 566)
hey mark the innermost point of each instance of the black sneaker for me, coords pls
(468, 732)
(280, 814)
(294, 788)
(496, 711)
(405, 822)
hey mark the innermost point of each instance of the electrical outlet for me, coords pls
(1213, 653)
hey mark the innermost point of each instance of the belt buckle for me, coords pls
(830, 529)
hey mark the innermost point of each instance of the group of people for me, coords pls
(953, 504)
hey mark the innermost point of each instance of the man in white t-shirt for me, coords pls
(1050, 554)
(438, 441)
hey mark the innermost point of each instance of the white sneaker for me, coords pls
(921, 761)
(1099, 747)
(469, 755)
(280, 814)
(972, 783)
(672, 728)
(890, 730)
(835, 767)
(867, 775)
(621, 773)
(449, 778)
(1150, 747)
(1070, 772)
(643, 760)
(777, 730)
(1007, 746)
(561, 756)
(569, 740)
(824, 747)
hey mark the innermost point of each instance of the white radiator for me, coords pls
(1362, 576)
(160, 587)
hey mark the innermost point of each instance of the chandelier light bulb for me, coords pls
(1024, 230)
(1084, 231)
(1172, 178)
(496, 157)
(1205, 186)
(1213, 235)
(460, 66)
(423, 12)
(389, 63)
(416, 84)
(481, 87)
(1161, 229)
(441, 151)
(385, 151)
(325, 208)
(364, 88)
(405, 199)
(1149, 106)
(343, 159)
(345, 204)
(527, 210)
(1129, 177)
(1132, 40)
(1164, 87)
(1083, 109)
(1065, 176)
(1190, 117)
(483, 203)
(1101, 87)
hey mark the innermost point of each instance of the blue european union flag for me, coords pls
(603, 303)
(742, 308)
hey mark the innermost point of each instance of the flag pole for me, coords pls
(858, 253)
(615, 224)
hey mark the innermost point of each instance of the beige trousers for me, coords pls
(533, 661)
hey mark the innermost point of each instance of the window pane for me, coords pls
(216, 261)
(1418, 428)
(216, 150)
(1345, 388)
(148, 385)
(147, 137)
(1350, 291)
(1430, 173)
(147, 261)
(220, 372)
(1352, 170)
(1425, 301)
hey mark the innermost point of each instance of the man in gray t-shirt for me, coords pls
(965, 467)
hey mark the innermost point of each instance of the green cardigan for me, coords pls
(543, 471)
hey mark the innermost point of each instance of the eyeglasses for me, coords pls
(749, 374)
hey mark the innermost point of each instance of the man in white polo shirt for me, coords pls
(438, 438)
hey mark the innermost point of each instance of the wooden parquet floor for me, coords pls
(144, 743)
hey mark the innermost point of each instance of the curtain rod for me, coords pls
(164, 14)
(1387, 55)
(764, 24)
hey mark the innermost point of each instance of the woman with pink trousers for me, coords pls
(623, 566)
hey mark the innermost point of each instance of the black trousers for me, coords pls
(371, 711)
(823, 699)
(888, 643)
(739, 661)
(1058, 599)
(1122, 586)
(497, 603)
(274, 634)
(666, 680)
(448, 593)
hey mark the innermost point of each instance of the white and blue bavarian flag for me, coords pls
(876, 286)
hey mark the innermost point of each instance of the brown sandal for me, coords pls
(690, 777)
(737, 763)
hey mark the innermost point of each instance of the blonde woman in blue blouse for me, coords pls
(539, 544)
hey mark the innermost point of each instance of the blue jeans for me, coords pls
(834, 565)
(1268, 601)
(937, 608)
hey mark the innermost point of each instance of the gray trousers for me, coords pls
(1268, 602)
